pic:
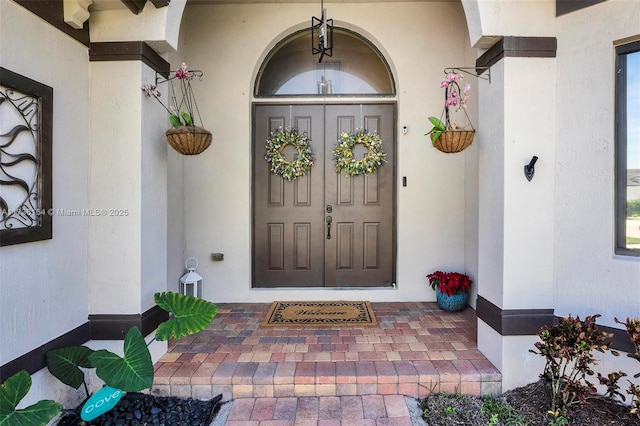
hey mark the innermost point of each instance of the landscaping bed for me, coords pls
(527, 405)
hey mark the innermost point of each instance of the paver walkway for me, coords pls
(357, 374)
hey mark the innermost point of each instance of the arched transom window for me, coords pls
(356, 68)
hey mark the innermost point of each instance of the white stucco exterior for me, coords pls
(431, 208)
(590, 279)
(43, 285)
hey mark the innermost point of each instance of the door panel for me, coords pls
(362, 254)
(293, 245)
(288, 215)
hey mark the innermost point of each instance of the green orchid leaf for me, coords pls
(12, 391)
(435, 135)
(63, 363)
(437, 124)
(191, 315)
(175, 121)
(132, 373)
(187, 118)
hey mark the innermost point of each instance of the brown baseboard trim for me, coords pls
(114, 327)
(527, 322)
(521, 47)
(99, 327)
(53, 13)
(35, 360)
(129, 51)
(513, 322)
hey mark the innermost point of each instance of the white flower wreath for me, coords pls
(279, 164)
(343, 153)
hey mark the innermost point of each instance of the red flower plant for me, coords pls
(451, 283)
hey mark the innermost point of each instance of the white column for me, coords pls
(516, 230)
(128, 232)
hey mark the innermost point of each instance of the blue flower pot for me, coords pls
(454, 303)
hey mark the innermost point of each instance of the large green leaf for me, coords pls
(187, 118)
(11, 393)
(175, 120)
(191, 315)
(64, 362)
(437, 124)
(132, 373)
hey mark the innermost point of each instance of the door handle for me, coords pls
(329, 220)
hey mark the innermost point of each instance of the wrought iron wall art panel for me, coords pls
(26, 126)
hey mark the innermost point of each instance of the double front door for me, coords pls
(324, 228)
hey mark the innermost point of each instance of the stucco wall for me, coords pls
(589, 277)
(43, 285)
(228, 42)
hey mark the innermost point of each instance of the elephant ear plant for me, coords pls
(134, 371)
(12, 391)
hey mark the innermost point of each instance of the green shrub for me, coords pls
(633, 207)
(567, 348)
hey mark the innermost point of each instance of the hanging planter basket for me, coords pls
(189, 140)
(452, 141)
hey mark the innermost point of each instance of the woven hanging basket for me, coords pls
(189, 140)
(454, 140)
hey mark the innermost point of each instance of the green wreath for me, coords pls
(343, 153)
(279, 164)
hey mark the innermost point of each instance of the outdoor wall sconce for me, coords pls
(529, 169)
(191, 282)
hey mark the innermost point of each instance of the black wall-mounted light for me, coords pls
(322, 34)
(529, 169)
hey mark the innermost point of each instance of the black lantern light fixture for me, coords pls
(322, 34)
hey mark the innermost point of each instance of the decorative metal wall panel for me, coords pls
(26, 111)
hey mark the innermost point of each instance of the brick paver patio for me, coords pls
(294, 375)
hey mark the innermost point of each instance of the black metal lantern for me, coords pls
(322, 34)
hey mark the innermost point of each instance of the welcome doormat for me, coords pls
(320, 314)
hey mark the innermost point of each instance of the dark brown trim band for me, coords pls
(114, 327)
(35, 360)
(135, 6)
(52, 11)
(527, 322)
(129, 51)
(99, 327)
(566, 6)
(160, 3)
(513, 322)
(518, 47)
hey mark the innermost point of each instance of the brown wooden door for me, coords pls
(290, 232)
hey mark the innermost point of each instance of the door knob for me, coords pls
(329, 220)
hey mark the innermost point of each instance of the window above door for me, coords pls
(356, 68)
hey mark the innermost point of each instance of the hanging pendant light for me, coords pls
(322, 34)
